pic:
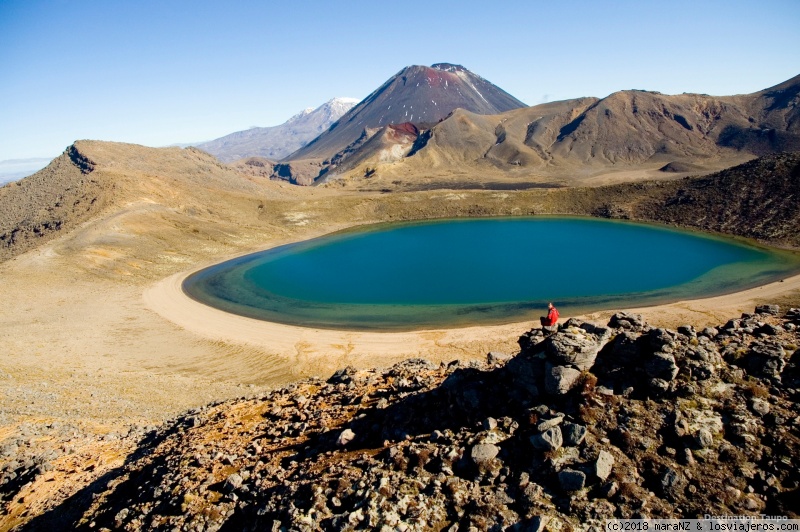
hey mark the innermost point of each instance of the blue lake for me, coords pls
(490, 270)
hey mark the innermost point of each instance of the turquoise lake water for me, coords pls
(468, 271)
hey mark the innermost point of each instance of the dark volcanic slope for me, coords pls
(758, 199)
(417, 94)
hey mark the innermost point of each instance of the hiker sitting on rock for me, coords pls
(552, 316)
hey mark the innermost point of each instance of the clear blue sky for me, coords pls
(171, 71)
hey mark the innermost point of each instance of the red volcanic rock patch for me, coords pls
(437, 78)
(406, 129)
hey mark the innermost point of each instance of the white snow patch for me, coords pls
(477, 91)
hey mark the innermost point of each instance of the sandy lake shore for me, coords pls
(167, 298)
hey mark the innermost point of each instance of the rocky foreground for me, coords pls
(583, 424)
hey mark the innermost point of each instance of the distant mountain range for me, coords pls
(444, 120)
(417, 94)
(277, 142)
(627, 129)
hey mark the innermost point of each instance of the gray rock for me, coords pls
(603, 465)
(549, 440)
(531, 496)
(573, 434)
(623, 320)
(559, 380)
(576, 346)
(9, 450)
(527, 369)
(540, 410)
(496, 357)
(343, 376)
(549, 423)
(704, 438)
(686, 456)
(489, 423)
(661, 366)
(586, 326)
(121, 516)
(764, 360)
(751, 504)
(345, 437)
(772, 310)
(624, 351)
(701, 371)
(608, 490)
(571, 480)
(658, 386)
(732, 325)
(658, 339)
(549, 330)
(232, 483)
(672, 484)
(709, 332)
(484, 453)
(769, 329)
(759, 406)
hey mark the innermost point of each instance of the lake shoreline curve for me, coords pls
(168, 299)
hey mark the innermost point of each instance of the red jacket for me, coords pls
(552, 317)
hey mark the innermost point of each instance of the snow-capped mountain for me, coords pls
(279, 141)
(417, 94)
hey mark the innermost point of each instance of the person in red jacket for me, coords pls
(552, 316)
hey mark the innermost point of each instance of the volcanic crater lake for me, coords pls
(456, 272)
